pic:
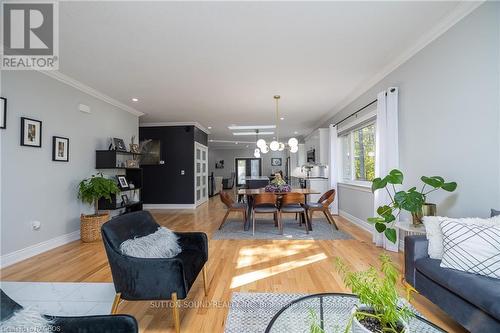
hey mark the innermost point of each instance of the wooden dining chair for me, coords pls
(265, 203)
(294, 203)
(323, 205)
(232, 207)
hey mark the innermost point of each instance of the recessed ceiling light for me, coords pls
(295, 132)
(236, 143)
(282, 118)
(253, 133)
(135, 99)
(209, 127)
(249, 127)
(246, 146)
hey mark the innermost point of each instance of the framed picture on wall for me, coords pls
(275, 161)
(151, 152)
(60, 149)
(219, 164)
(3, 112)
(31, 132)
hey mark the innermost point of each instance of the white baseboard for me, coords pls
(30, 251)
(169, 206)
(357, 221)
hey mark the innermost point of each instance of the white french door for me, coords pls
(200, 173)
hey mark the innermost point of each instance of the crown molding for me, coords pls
(462, 10)
(176, 123)
(90, 91)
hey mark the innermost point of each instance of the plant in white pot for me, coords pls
(380, 309)
(90, 190)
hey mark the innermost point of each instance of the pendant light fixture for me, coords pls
(276, 145)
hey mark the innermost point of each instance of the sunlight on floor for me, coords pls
(253, 255)
(247, 278)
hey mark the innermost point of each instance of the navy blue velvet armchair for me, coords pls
(88, 324)
(144, 279)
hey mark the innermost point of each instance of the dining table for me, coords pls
(250, 193)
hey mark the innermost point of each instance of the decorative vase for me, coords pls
(428, 209)
(90, 227)
(357, 327)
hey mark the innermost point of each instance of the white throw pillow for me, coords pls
(26, 320)
(435, 235)
(160, 244)
(471, 248)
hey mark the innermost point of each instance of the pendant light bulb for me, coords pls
(261, 143)
(294, 149)
(265, 149)
(274, 145)
(281, 146)
(292, 142)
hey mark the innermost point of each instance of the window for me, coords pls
(358, 154)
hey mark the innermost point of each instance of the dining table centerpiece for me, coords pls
(278, 184)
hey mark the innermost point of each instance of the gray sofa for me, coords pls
(472, 300)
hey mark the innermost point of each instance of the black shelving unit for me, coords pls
(110, 159)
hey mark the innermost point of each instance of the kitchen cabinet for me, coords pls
(319, 140)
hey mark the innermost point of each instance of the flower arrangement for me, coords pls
(278, 188)
(278, 184)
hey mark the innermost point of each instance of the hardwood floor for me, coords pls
(299, 266)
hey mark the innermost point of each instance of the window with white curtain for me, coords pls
(358, 153)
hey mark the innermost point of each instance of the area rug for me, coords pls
(265, 229)
(62, 298)
(252, 312)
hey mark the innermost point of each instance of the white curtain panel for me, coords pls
(387, 153)
(334, 166)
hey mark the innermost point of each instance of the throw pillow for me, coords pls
(435, 235)
(471, 248)
(26, 320)
(160, 244)
(495, 212)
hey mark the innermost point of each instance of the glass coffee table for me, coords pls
(332, 312)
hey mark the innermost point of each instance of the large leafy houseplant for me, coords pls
(380, 309)
(411, 200)
(92, 189)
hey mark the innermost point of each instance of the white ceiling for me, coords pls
(220, 63)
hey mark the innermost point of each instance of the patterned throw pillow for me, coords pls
(471, 248)
(435, 235)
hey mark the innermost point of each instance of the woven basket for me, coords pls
(90, 226)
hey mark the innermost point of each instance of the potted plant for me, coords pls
(380, 309)
(90, 190)
(413, 201)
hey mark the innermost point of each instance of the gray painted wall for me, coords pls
(33, 186)
(228, 155)
(356, 202)
(449, 113)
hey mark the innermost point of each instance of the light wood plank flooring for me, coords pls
(300, 266)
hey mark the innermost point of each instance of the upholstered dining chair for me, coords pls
(232, 206)
(153, 279)
(265, 203)
(323, 205)
(294, 203)
(94, 324)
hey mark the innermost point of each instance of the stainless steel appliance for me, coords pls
(311, 156)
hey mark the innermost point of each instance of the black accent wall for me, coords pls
(200, 136)
(164, 184)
